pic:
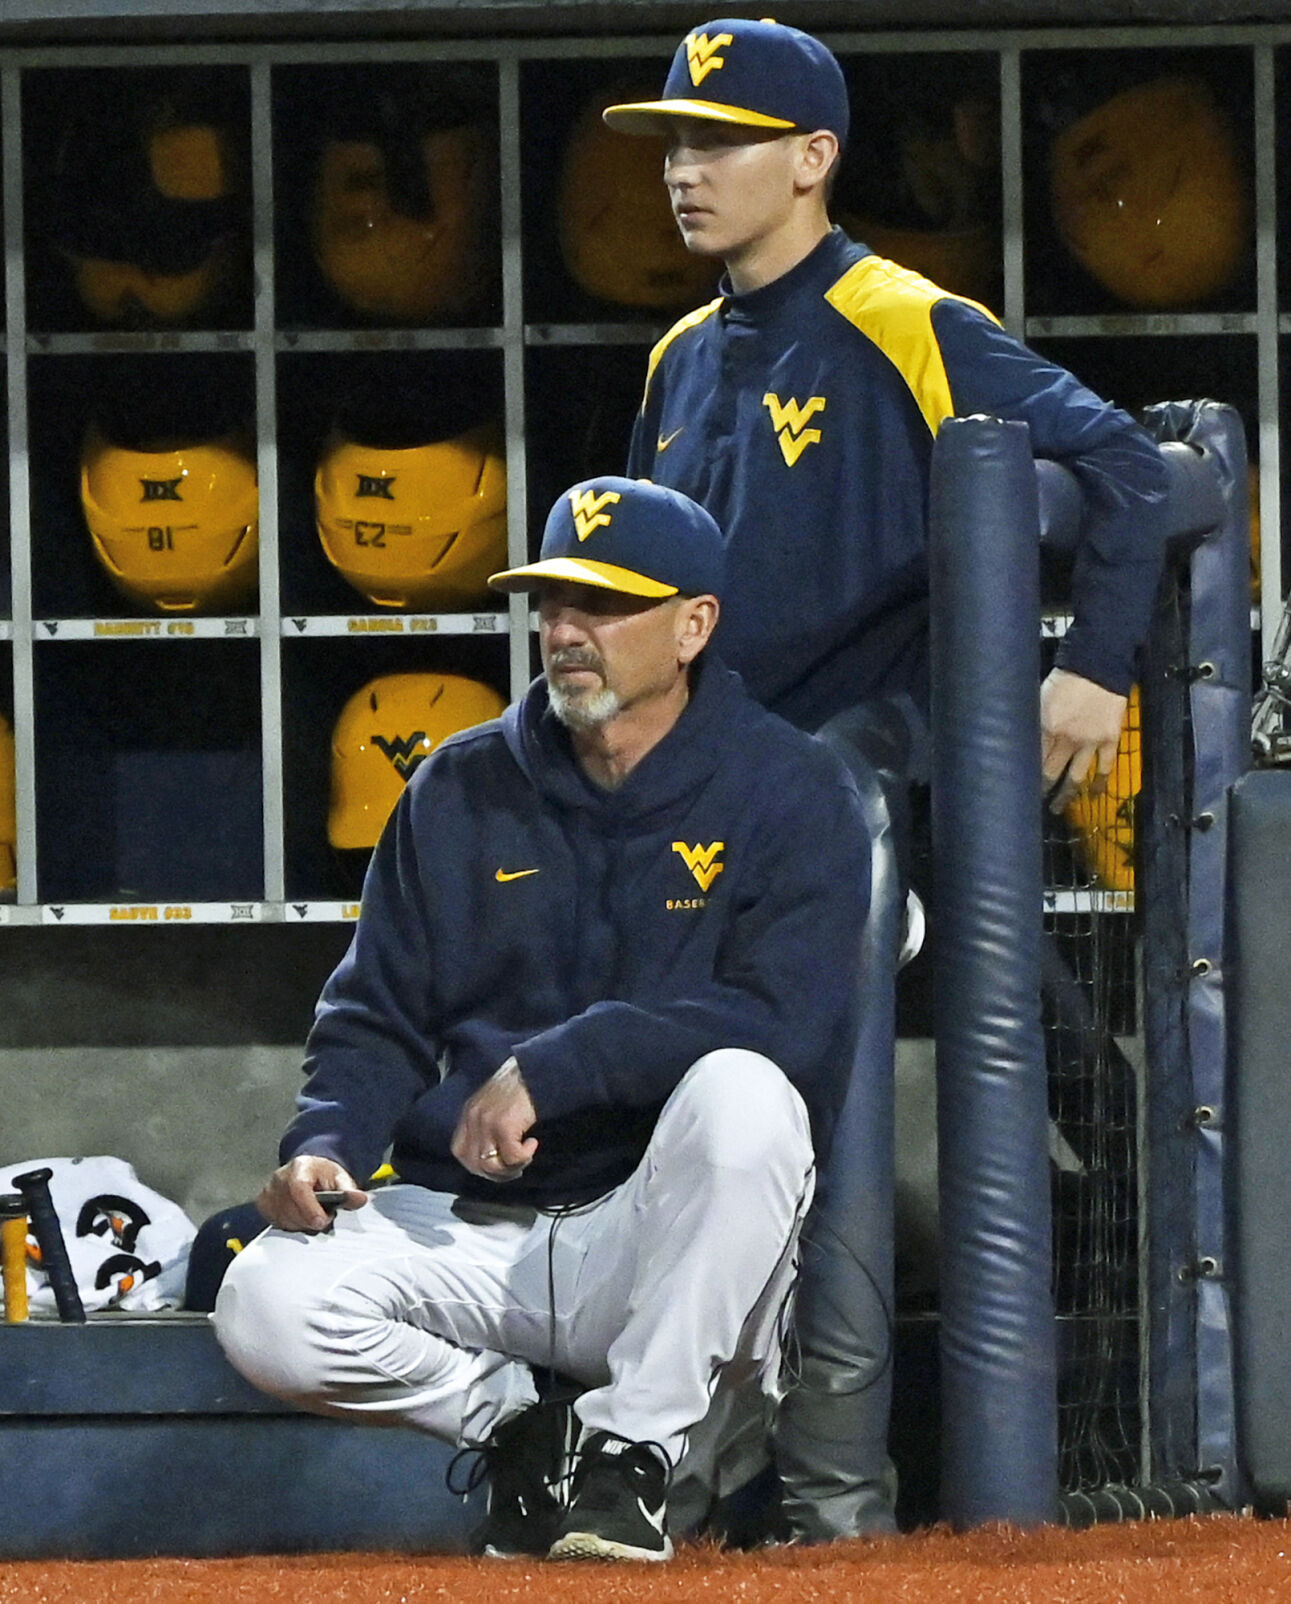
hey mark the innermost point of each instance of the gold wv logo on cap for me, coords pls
(702, 57)
(588, 515)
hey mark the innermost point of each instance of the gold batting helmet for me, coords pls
(382, 735)
(415, 256)
(1104, 825)
(420, 526)
(1149, 196)
(176, 526)
(151, 238)
(8, 808)
(964, 261)
(618, 237)
(117, 292)
(934, 214)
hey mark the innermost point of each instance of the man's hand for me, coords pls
(1080, 727)
(287, 1199)
(491, 1139)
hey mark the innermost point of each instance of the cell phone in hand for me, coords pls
(331, 1201)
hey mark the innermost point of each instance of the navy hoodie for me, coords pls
(606, 939)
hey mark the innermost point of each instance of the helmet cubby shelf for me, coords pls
(306, 338)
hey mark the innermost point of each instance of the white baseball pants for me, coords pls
(427, 1310)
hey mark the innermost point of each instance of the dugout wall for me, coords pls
(107, 881)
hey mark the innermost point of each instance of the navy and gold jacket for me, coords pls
(607, 939)
(802, 416)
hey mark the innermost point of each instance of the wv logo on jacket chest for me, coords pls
(701, 861)
(789, 419)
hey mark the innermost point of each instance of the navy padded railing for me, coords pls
(991, 508)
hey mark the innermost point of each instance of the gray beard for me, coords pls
(588, 712)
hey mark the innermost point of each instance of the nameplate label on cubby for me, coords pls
(152, 913)
(1088, 900)
(146, 628)
(397, 624)
(297, 913)
(1137, 324)
(6, 629)
(465, 339)
(593, 333)
(143, 342)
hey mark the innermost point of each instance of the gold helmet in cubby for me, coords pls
(1149, 195)
(144, 213)
(382, 735)
(415, 526)
(933, 210)
(175, 526)
(117, 292)
(966, 261)
(1104, 824)
(8, 808)
(398, 224)
(618, 237)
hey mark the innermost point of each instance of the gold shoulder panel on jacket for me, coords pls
(892, 307)
(690, 320)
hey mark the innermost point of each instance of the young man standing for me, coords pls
(800, 408)
(601, 1004)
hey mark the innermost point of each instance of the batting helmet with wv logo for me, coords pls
(384, 733)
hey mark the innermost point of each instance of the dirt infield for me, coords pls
(1218, 1559)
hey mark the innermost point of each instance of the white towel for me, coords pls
(127, 1244)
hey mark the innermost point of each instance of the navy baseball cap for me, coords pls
(627, 535)
(757, 74)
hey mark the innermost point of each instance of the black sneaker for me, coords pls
(619, 1505)
(527, 1462)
